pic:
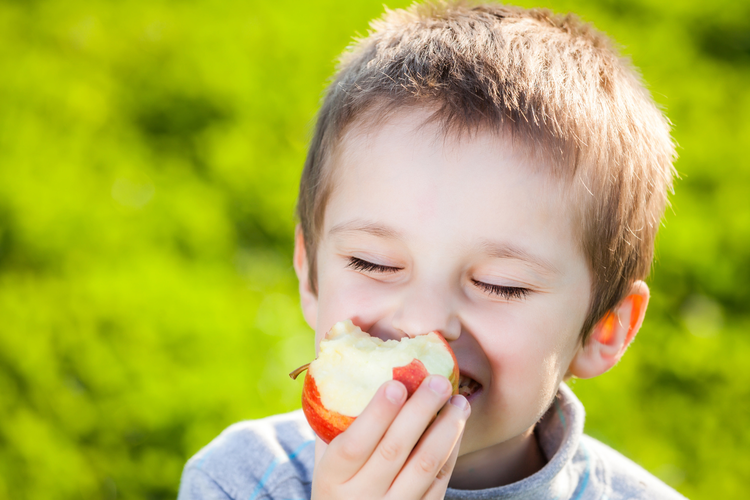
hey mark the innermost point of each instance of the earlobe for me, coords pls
(308, 298)
(612, 335)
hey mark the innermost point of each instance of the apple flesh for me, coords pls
(352, 365)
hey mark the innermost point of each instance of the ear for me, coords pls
(308, 297)
(612, 335)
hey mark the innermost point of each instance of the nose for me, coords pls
(425, 309)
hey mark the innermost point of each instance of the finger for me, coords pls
(394, 449)
(440, 485)
(348, 452)
(427, 472)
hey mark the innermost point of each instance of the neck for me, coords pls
(498, 465)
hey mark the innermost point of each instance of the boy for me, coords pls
(498, 175)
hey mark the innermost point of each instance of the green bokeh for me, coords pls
(149, 159)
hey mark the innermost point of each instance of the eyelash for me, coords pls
(370, 267)
(506, 292)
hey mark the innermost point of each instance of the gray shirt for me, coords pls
(272, 459)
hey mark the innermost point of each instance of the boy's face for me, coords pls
(464, 236)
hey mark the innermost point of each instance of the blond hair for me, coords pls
(552, 80)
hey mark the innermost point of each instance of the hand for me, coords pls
(394, 450)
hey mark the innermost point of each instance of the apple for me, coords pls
(352, 365)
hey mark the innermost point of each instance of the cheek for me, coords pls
(531, 353)
(347, 295)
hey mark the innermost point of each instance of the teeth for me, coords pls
(467, 385)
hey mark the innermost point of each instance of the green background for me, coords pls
(149, 159)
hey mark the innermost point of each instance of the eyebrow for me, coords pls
(359, 225)
(496, 249)
(501, 250)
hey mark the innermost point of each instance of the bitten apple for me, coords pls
(352, 365)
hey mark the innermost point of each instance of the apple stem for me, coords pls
(299, 370)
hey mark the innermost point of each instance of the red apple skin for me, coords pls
(453, 379)
(411, 375)
(328, 424)
(325, 423)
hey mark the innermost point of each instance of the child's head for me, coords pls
(495, 174)
(552, 82)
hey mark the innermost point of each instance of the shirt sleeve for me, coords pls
(267, 459)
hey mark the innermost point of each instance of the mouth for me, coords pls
(468, 387)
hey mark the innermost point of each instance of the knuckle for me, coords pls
(349, 451)
(444, 472)
(389, 450)
(427, 463)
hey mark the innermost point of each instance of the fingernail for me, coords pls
(440, 385)
(460, 402)
(394, 393)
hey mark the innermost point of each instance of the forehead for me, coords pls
(381, 128)
(406, 172)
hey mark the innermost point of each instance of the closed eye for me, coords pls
(370, 267)
(506, 292)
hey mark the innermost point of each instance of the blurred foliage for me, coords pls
(149, 158)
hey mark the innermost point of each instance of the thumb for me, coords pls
(320, 448)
